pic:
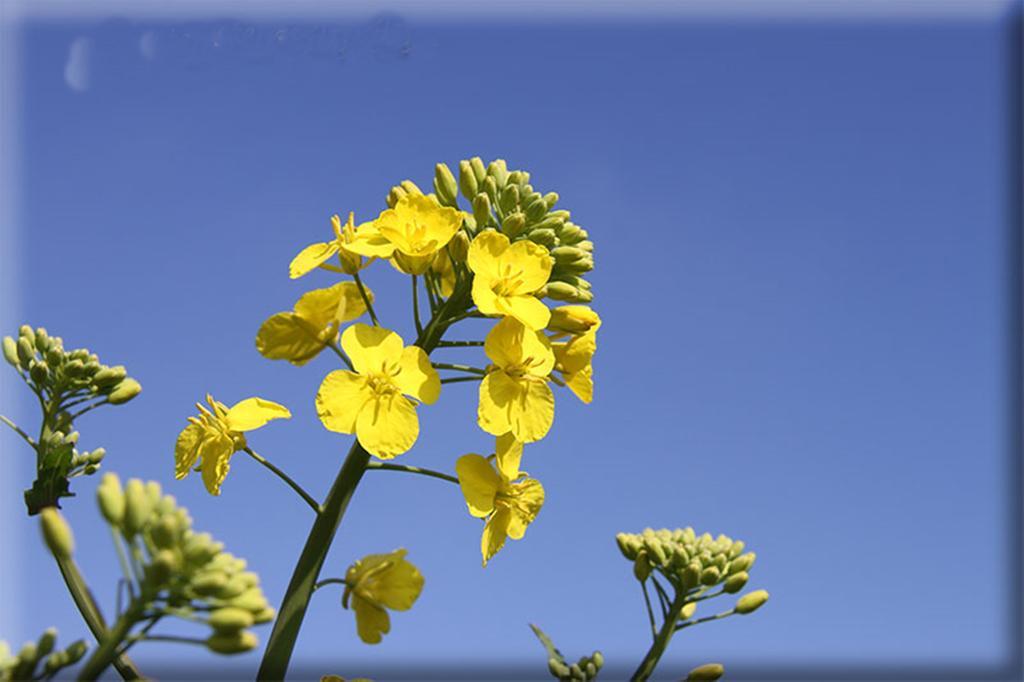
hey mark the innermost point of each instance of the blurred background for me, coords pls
(807, 265)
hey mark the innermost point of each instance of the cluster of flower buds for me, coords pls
(693, 564)
(506, 201)
(586, 668)
(72, 374)
(184, 573)
(25, 665)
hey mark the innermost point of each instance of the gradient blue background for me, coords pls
(802, 234)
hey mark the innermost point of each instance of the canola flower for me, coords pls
(515, 396)
(218, 433)
(415, 229)
(574, 357)
(506, 277)
(377, 401)
(500, 493)
(350, 244)
(378, 582)
(313, 324)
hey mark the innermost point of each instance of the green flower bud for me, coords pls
(138, 507)
(458, 247)
(55, 662)
(626, 546)
(200, 549)
(394, 196)
(736, 549)
(411, 188)
(742, 563)
(467, 180)
(543, 237)
(124, 391)
(57, 533)
(42, 340)
(111, 499)
(165, 532)
(598, 659)
(691, 575)
(706, 673)
(709, 576)
(264, 615)
(578, 267)
(76, 651)
(479, 172)
(586, 245)
(561, 291)
(234, 587)
(688, 610)
(209, 584)
(749, 603)
(490, 188)
(97, 455)
(11, 351)
(445, 186)
(27, 660)
(481, 210)
(536, 209)
(736, 582)
(91, 469)
(568, 254)
(39, 371)
(109, 376)
(641, 566)
(550, 199)
(509, 198)
(233, 643)
(163, 566)
(498, 170)
(513, 224)
(230, 619)
(656, 550)
(252, 600)
(26, 332)
(74, 369)
(49, 637)
(26, 352)
(557, 668)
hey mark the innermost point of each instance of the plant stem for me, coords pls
(458, 368)
(17, 429)
(286, 478)
(706, 619)
(329, 581)
(91, 614)
(383, 466)
(109, 643)
(650, 611)
(416, 307)
(341, 354)
(366, 299)
(459, 344)
(661, 640)
(455, 380)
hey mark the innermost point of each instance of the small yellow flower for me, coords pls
(515, 396)
(346, 240)
(371, 402)
(377, 582)
(507, 276)
(573, 359)
(300, 335)
(216, 434)
(500, 493)
(417, 228)
(573, 319)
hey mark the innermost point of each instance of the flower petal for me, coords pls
(252, 413)
(341, 397)
(388, 426)
(186, 450)
(497, 393)
(508, 453)
(484, 297)
(495, 532)
(215, 450)
(531, 416)
(479, 483)
(582, 384)
(371, 620)
(398, 586)
(339, 303)
(417, 378)
(529, 310)
(310, 258)
(529, 498)
(533, 263)
(484, 253)
(372, 349)
(286, 336)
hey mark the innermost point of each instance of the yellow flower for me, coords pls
(346, 240)
(515, 396)
(216, 434)
(507, 276)
(299, 336)
(500, 493)
(370, 402)
(376, 582)
(417, 228)
(573, 319)
(573, 359)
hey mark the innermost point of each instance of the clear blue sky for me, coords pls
(802, 234)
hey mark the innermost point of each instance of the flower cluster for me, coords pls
(25, 664)
(68, 384)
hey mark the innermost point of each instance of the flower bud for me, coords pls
(109, 376)
(458, 247)
(561, 291)
(490, 188)
(137, 507)
(550, 199)
(626, 546)
(543, 237)
(445, 186)
(411, 188)
(26, 332)
(165, 532)
(513, 224)
(39, 371)
(749, 603)
(498, 170)
(111, 499)
(26, 352)
(656, 551)
(509, 198)
(264, 615)
(590, 670)
(598, 659)
(691, 575)
(467, 180)
(736, 582)
(709, 672)
(573, 319)
(124, 391)
(76, 651)
(200, 549)
(57, 533)
(641, 566)
(234, 587)
(479, 172)
(688, 610)
(163, 566)
(11, 351)
(230, 619)
(54, 662)
(394, 196)
(252, 600)
(558, 668)
(576, 672)
(742, 563)
(481, 210)
(709, 576)
(233, 643)
(46, 641)
(536, 208)
(97, 455)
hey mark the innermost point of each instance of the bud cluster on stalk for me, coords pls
(585, 669)
(183, 573)
(694, 565)
(25, 665)
(505, 200)
(68, 383)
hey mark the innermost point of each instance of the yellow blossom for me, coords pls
(378, 582)
(347, 238)
(416, 228)
(500, 493)
(574, 356)
(507, 276)
(515, 396)
(300, 335)
(216, 434)
(371, 402)
(573, 319)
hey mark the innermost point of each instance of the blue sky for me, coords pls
(801, 232)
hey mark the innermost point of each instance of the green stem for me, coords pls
(416, 307)
(109, 644)
(341, 354)
(706, 619)
(458, 368)
(286, 478)
(383, 466)
(650, 611)
(91, 614)
(660, 644)
(366, 299)
(17, 429)
(460, 344)
(329, 581)
(455, 380)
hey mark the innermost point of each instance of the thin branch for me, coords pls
(17, 429)
(329, 581)
(78, 414)
(366, 298)
(411, 469)
(341, 354)
(662, 597)
(650, 611)
(706, 619)
(459, 368)
(460, 344)
(416, 306)
(455, 380)
(286, 478)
